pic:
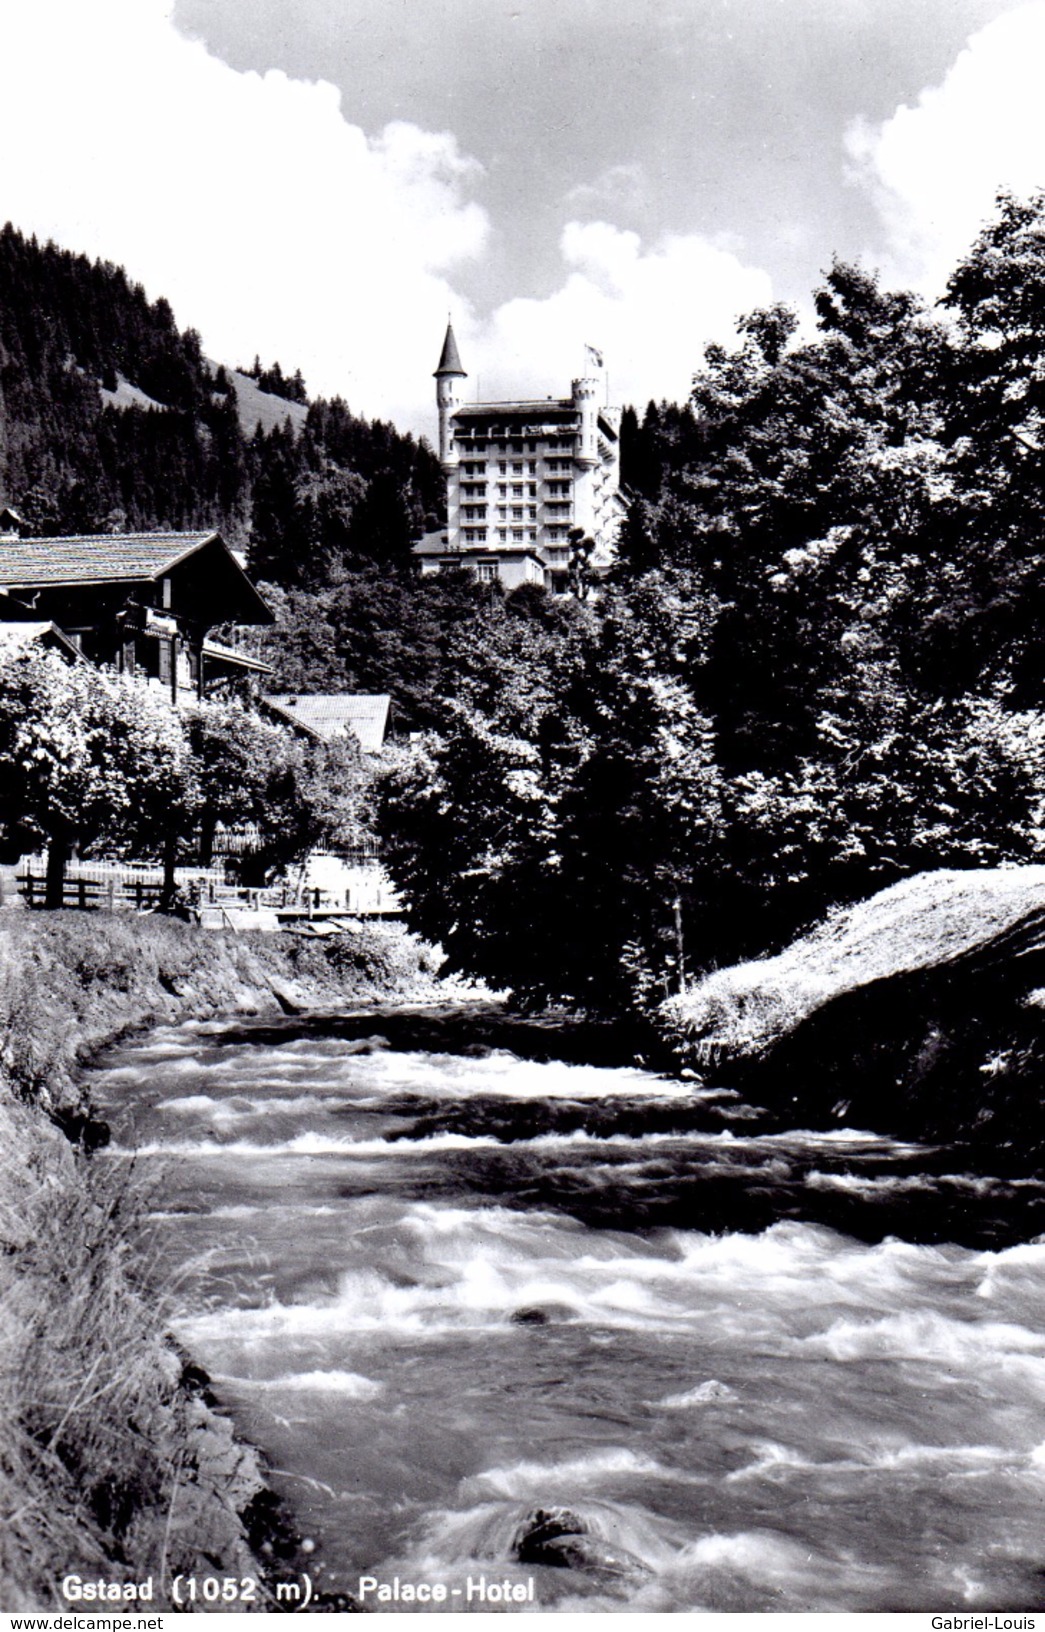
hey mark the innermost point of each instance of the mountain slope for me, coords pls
(111, 418)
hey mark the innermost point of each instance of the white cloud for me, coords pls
(620, 186)
(268, 220)
(935, 169)
(275, 225)
(650, 311)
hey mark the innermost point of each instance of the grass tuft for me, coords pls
(925, 921)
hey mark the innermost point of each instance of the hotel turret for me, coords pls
(524, 480)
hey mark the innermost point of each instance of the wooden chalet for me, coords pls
(143, 602)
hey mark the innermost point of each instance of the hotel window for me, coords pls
(502, 533)
(531, 488)
(532, 467)
(531, 511)
(517, 535)
(486, 571)
(517, 467)
(503, 467)
(517, 512)
(517, 490)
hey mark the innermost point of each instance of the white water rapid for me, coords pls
(448, 1289)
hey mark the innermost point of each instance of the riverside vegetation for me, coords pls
(112, 1461)
(918, 1012)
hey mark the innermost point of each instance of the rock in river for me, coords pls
(559, 1537)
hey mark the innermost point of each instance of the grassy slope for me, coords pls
(111, 1461)
(262, 408)
(918, 924)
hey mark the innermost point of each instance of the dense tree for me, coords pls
(297, 794)
(274, 381)
(381, 631)
(820, 667)
(543, 836)
(89, 759)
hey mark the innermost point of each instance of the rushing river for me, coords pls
(445, 1288)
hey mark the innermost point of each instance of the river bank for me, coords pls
(113, 1463)
(919, 1012)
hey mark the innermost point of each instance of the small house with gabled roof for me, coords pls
(326, 715)
(17, 638)
(143, 602)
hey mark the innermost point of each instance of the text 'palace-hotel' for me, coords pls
(522, 478)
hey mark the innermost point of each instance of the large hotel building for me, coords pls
(522, 479)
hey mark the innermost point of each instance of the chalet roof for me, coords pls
(338, 714)
(450, 357)
(89, 560)
(26, 563)
(16, 638)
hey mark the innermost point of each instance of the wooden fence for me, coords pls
(124, 886)
(362, 889)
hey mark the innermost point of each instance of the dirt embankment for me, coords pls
(113, 1463)
(919, 1012)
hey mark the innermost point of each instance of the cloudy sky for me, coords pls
(321, 181)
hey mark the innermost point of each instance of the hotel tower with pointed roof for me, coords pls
(524, 479)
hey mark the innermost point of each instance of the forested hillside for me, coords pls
(111, 418)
